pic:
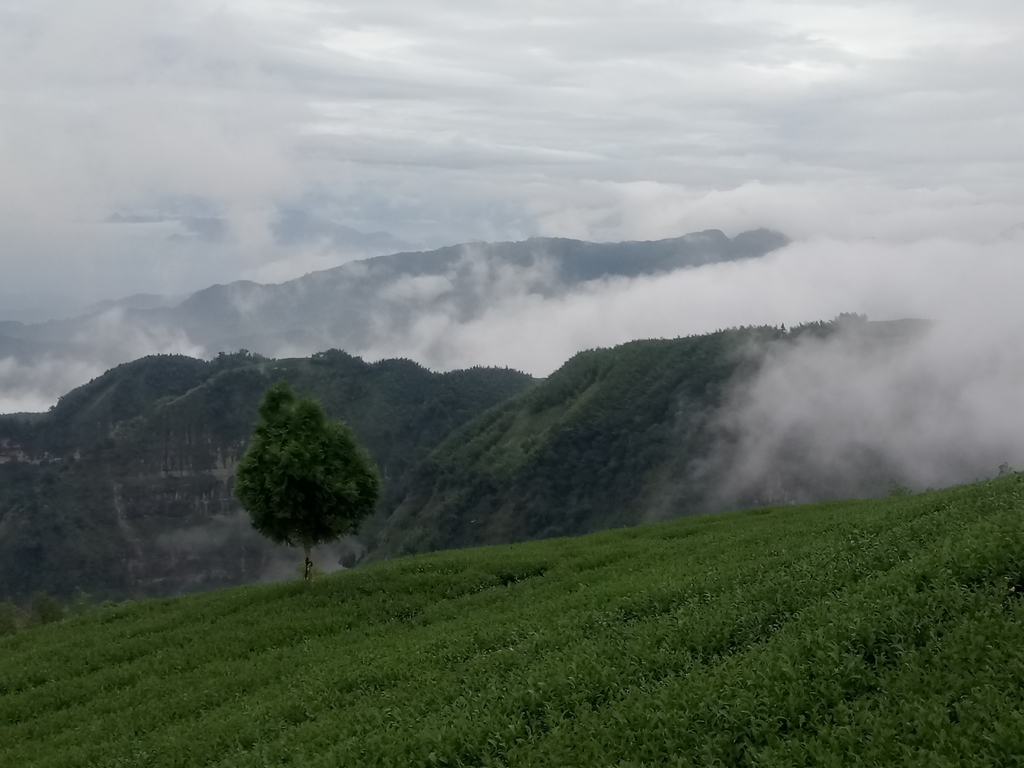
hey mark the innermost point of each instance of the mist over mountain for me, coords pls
(372, 303)
(656, 429)
(395, 305)
(295, 227)
(461, 228)
(125, 486)
(136, 301)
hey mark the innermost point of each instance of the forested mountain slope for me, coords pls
(616, 437)
(132, 494)
(125, 486)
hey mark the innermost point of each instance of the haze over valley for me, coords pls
(420, 305)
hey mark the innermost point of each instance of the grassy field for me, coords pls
(875, 632)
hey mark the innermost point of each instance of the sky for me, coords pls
(158, 147)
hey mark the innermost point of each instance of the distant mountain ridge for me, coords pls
(354, 305)
(136, 301)
(294, 227)
(362, 305)
(617, 437)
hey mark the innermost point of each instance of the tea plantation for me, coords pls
(871, 632)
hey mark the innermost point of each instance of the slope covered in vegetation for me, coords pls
(124, 488)
(577, 453)
(883, 632)
(139, 501)
(635, 433)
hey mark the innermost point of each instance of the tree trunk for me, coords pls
(308, 573)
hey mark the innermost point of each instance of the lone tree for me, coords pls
(303, 479)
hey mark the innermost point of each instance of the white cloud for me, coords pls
(34, 387)
(113, 337)
(940, 279)
(839, 416)
(443, 122)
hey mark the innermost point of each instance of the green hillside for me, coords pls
(883, 632)
(124, 488)
(132, 495)
(616, 437)
(579, 453)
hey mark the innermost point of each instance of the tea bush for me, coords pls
(870, 632)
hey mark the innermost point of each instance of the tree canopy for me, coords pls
(304, 480)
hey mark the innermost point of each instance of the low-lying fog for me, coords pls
(944, 408)
(204, 142)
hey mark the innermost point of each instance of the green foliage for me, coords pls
(898, 489)
(58, 530)
(80, 601)
(615, 437)
(46, 609)
(303, 478)
(147, 450)
(607, 440)
(89, 413)
(11, 618)
(883, 632)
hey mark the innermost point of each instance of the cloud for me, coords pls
(113, 336)
(35, 386)
(940, 279)
(210, 229)
(418, 289)
(850, 414)
(441, 122)
(33, 380)
(839, 209)
(882, 136)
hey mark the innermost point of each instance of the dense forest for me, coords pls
(124, 487)
(614, 438)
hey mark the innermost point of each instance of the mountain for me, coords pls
(616, 437)
(869, 633)
(370, 307)
(363, 303)
(124, 488)
(131, 490)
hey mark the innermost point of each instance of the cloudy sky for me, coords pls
(155, 147)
